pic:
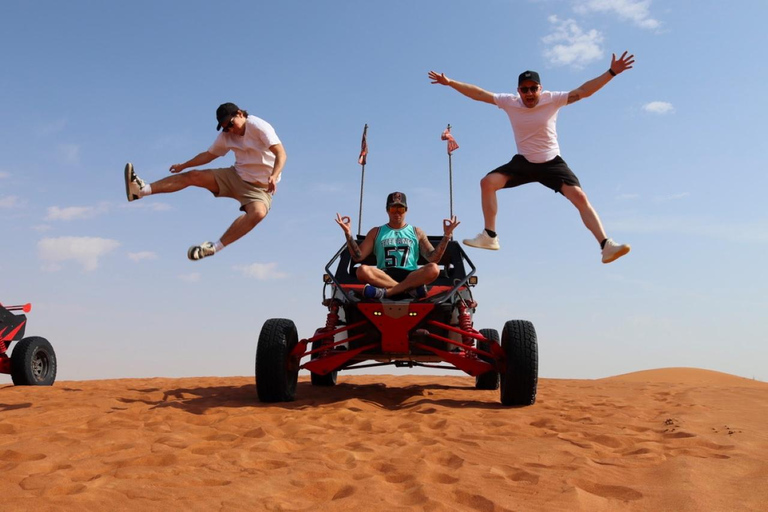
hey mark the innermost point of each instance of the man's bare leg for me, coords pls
(588, 214)
(254, 213)
(203, 179)
(375, 277)
(489, 185)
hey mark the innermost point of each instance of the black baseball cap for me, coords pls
(396, 198)
(225, 113)
(528, 75)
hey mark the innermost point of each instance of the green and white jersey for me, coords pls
(397, 248)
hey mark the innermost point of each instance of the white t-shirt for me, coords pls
(253, 159)
(534, 128)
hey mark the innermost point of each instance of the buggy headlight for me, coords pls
(327, 279)
(473, 280)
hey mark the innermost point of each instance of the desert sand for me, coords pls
(674, 439)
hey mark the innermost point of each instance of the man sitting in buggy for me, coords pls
(397, 246)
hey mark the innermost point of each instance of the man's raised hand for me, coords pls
(625, 62)
(345, 223)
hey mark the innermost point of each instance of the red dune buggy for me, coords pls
(33, 362)
(434, 332)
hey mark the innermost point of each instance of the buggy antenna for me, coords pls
(361, 160)
(451, 147)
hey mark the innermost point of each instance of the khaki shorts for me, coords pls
(232, 185)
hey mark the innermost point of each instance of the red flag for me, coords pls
(363, 148)
(452, 145)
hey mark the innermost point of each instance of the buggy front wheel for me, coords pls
(521, 375)
(277, 371)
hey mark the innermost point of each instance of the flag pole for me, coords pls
(361, 161)
(450, 176)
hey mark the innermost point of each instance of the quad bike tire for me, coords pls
(488, 380)
(519, 380)
(277, 371)
(33, 362)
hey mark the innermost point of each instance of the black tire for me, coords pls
(488, 380)
(33, 362)
(521, 376)
(277, 372)
(327, 380)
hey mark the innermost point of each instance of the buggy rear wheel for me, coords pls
(520, 377)
(277, 371)
(33, 362)
(327, 380)
(488, 380)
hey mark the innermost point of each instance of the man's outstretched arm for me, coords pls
(470, 91)
(594, 85)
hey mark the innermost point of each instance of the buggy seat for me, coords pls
(451, 266)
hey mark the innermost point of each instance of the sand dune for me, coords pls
(673, 439)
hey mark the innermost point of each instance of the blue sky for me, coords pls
(668, 152)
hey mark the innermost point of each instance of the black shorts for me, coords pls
(398, 274)
(552, 174)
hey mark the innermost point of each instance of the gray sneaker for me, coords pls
(483, 241)
(133, 184)
(613, 251)
(198, 252)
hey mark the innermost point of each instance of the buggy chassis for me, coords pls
(33, 362)
(363, 333)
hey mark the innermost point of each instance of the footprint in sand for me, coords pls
(344, 492)
(474, 501)
(14, 456)
(616, 492)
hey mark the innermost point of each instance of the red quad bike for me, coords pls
(33, 362)
(434, 332)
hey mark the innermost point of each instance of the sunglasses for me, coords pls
(397, 209)
(525, 90)
(229, 125)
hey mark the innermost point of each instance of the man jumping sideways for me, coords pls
(259, 161)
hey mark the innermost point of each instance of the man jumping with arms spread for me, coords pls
(259, 161)
(533, 114)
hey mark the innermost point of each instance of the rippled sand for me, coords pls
(674, 439)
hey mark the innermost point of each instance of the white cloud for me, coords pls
(636, 11)
(75, 212)
(671, 197)
(84, 250)
(9, 202)
(190, 278)
(41, 227)
(151, 205)
(68, 153)
(142, 255)
(260, 271)
(569, 45)
(659, 107)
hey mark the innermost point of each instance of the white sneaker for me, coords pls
(133, 184)
(483, 241)
(198, 252)
(613, 251)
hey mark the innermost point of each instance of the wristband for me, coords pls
(612, 72)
